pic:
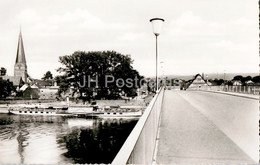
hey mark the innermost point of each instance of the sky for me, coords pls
(198, 36)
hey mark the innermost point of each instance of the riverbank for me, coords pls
(26, 101)
(138, 102)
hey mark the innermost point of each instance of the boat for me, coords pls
(117, 113)
(39, 110)
(80, 109)
(77, 110)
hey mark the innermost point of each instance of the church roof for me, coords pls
(20, 56)
(24, 87)
(197, 81)
(41, 83)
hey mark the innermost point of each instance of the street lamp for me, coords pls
(157, 26)
(224, 76)
(162, 72)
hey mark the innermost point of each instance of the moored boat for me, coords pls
(114, 114)
(35, 110)
(79, 109)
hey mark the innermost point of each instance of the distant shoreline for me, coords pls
(25, 101)
(139, 101)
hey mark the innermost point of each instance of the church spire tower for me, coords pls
(20, 67)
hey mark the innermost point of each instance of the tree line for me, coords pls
(242, 79)
(96, 65)
(92, 67)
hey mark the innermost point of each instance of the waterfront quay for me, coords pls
(57, 139)
(195, 127)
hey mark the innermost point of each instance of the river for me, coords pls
(56, 139)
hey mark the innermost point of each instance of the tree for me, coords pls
(247, 78)
(216, 81)
(2, 71)
(242, 79)
(90, 72)
(229, 83)
(238, 77)
(6, 88)
(256, 79)
(47, 76)
(62, 83)
(220, 82)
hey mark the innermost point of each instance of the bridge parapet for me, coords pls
(253, 90)
(140, 145)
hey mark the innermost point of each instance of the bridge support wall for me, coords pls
(140, 144)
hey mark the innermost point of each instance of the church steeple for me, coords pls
(20, 56)
(20, 67)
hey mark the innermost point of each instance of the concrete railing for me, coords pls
(140, 145)
(254, 90)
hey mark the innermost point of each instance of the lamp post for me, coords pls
(224, 76)
(157, 26)
(162, 73)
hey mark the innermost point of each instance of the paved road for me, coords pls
(202, 127)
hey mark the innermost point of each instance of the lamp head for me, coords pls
(157, 25)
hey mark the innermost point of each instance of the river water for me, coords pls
(56, 139)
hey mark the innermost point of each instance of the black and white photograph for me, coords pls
(129, 82)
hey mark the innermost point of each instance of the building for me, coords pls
(198, 83)
(20, 67)
(31, 88)
(249, 82)
(237, 83)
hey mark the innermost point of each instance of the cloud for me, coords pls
(236, 48)
(74, 21)
(189, 24)
(28, 16)
(221, 44)
(192, 33)
(80, 18)
(188, 18)
(245, 22)
(130, 36)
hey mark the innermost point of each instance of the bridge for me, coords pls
(195, 127)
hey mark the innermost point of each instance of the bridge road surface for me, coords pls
(208, 128)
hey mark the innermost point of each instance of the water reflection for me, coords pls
(53, 139)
